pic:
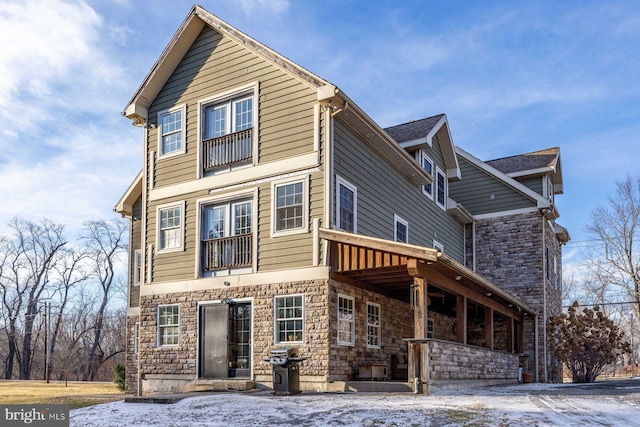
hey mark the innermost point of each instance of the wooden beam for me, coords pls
(488, 327)
(420, 309)
(461, 318)
(510, 335)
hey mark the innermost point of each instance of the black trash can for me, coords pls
(286, 371)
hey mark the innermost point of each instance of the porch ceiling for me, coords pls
(389, 268)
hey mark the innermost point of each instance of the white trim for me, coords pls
(351, 322)
(239, 177)
(264, 278)
(152, 170)
(341, 181)
(276, 331)
(180, 246)
(305, 206)
(428, 139)
(221, 198)
(396, 220)
(436, 192)
(182, 108)
(506, 213)
(378, 326)
(149, 263)
(158, 335)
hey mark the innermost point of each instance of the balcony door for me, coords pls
(227, 235)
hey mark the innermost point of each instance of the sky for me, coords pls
(512, 77)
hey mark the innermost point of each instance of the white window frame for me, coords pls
(439, 172)
(346, 320)
(250, 90)
(430, 328)
(172, 325)
(372, 325)
(183, 149)
(136, 338)
(397, 220)
(137, 267)
(305, 206)
(277, 320)
(427, 189)
(180, 246)
(341, 182)
(439, 246)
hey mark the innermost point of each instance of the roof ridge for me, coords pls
(415, 121)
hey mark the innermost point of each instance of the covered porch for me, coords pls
(465, 329)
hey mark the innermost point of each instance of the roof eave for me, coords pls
(125, 205)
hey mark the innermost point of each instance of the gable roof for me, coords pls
(125, 205)
(136, 109)
(416, 133)
(530, 164)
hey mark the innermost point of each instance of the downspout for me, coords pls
(537, 346)
(328, 168)
(544, 295)
(143, 239)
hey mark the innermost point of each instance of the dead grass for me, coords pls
(75, 394)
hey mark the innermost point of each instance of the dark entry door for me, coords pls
(225, 340)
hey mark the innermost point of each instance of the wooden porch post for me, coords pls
(488, 327)
(419, 355)
(510, 335)
(461, 319)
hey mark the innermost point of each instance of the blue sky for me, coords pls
(512, 77)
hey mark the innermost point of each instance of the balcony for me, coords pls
(227, 150)
(227, 252)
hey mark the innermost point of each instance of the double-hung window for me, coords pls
(171, 131)
(290, 207)
(346, 205)
(227, 235)
(289, 318)
(427, 165)
(170, 227)
(373, 325)
(346, 320)
(168, 325)
(400, 229)
(227, 130)
(137, 267)
(441, 188)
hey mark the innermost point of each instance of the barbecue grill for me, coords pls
(286, 370)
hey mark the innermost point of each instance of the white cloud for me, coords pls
(252, 7)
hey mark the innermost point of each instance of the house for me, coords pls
(271, 211)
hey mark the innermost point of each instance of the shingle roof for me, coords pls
(529, 161)
(414, 129)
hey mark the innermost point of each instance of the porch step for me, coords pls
(223, 385)
(371, 386)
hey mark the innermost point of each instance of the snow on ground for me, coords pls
(517, 405)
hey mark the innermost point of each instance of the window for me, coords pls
(547, 262)
(227, 238)
(373, 325)
(290, 208)
(441, 188)
(136, 337)
(170, 134)
(137, 267)
(439, 246)
(346, 320)
(289, 318)
(168, 325)
(346, 206)
(429, 328)
(170, 227)
(227, 129)
(427, 165)
(555, 272)
(400, 229)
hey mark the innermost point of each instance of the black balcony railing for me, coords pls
(227, 252)
(227, 150)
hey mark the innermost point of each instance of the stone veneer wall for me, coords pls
(510, 253)
(455, 361)
(396, 322)
(182, 360)
(131, 359)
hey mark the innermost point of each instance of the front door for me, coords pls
(225, 340)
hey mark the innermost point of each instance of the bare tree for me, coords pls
(105, 243)
(615, 258)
